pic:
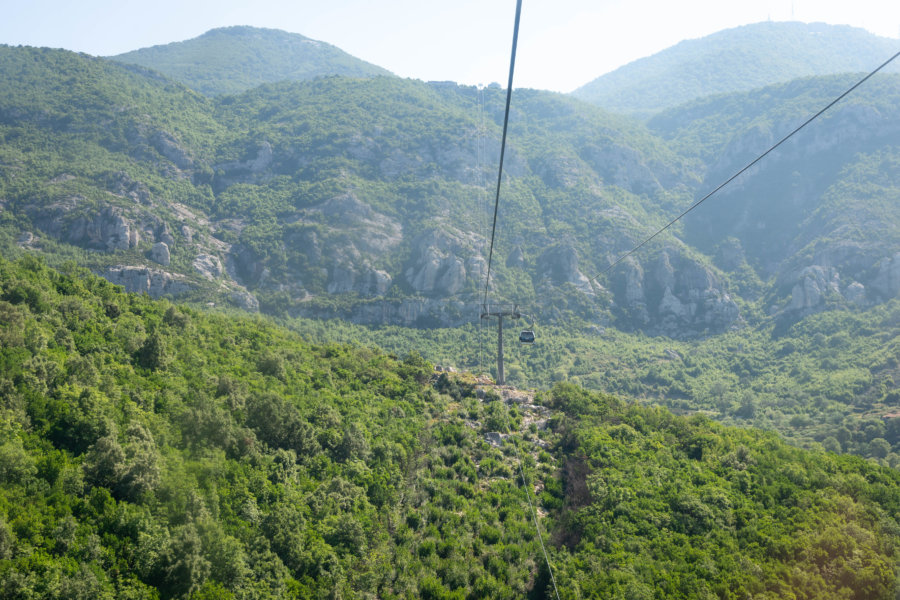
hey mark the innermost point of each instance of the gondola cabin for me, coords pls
(526, 337)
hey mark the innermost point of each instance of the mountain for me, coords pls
(365, 190)
(734, 60)
(150, 450)
(368, 199)
(234, 59)
(159, 450)
(820, 215)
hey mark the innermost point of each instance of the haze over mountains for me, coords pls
(734, 60)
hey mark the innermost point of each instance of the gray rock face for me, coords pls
(209, 266)
(140, 280)
(813, 285)
(160, 253)
(887, 282)
(369, 282)
(856, 293)
(674, 295)
(559, 264)
(166, 144)
(245, 300)
(165, 235)
(437, 265)
(436, 272)
(109, 229)
(372, 232)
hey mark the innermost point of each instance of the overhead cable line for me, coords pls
(743, 170)
(512, 66)
(537, 525)
(487, 282)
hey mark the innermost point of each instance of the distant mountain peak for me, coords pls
(233, 59)
(734, 60)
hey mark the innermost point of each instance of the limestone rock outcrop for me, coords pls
(442, 261)
(673, 295)
(813, 286)
(160, 254)
(144, 280)
(559, 265)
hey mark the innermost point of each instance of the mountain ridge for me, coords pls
(228, 60)
(734, 60)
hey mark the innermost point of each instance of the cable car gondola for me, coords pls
(527, 336)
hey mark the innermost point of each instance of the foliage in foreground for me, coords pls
(153, 451)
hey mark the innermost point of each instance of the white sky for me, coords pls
(563, 44)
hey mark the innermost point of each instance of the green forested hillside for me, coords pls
(149, 450)
(826, 381)
(84, 137)
(153, 451)
(733, 60)
(234, 59)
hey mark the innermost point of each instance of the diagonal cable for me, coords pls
(743, 170)
(512, 66)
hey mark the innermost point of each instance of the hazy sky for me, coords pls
(563, 44)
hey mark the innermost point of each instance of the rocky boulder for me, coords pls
(439, 260)
(143, 280)
(209, 266)
(813, 286)
(160, 253)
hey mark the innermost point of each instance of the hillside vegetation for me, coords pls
(734, 60)
(149, 450)
(366, 199)
(827, 381)
(229, 60)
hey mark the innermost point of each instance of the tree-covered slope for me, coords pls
(153, 451)
(828, 380)
(652, 499)
(733, 60)
(99, 162)
(234, 59)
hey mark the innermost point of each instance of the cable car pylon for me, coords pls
(487, 313)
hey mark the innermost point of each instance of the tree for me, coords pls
(154, 353)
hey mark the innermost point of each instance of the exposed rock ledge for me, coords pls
(140, 280)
